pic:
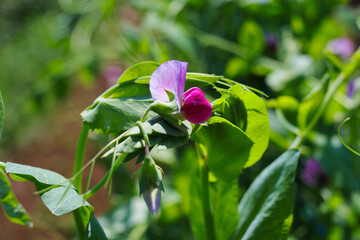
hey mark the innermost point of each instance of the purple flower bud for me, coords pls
(344, 47)
(196, 108)
(171, 76)
(313, 175)
(152, 197)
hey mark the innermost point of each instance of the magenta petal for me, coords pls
(170, 76)
(196, 108)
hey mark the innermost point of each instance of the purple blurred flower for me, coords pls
(152, 197)
(313, 175)
(111, 74)
(351, 88)
(170, 76)
(271, 42)
(344, 47)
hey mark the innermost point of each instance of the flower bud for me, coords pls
(150, 183)
(196, 108)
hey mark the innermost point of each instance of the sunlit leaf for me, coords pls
(138, 70)
(247, 111)
(225, 158)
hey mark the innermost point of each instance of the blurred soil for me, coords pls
(53, 147)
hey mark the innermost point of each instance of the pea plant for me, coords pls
(155, 107)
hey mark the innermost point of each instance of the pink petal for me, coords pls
(196, 108)
(170, 76)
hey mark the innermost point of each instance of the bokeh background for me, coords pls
(57, 56)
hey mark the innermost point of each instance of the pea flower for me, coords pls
(170, 76)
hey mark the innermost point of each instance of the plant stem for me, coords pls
(102, 182)
(80, 227)
(79, 157)
(209, 220)
(341, 78)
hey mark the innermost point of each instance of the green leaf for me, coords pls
(138, 70)
(94, 230)
(266, 206)
(14, 211)
(247, 111)
(251, 36)
(58, 196)
(115, 115)
(2, 115)
(225, 199)
(225, 158)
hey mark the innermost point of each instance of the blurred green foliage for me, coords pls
(277, 46)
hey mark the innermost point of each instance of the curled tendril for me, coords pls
(343, 142)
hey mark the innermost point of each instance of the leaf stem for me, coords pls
(205, 194)
(79, 156)
(209, 220)
(80, 227)
(102, 182)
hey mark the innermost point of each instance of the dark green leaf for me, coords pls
(94, 230)
(225, 158)
(267, 204)
(2, 115)
(14, 211)
(247, 111)
(115, 115)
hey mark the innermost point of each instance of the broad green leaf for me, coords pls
(247, 111)
(138, 70)
(14, 211)
(60, 198)
(266, 206)
(2, 115)
(228, 147)
(94, 230)
(251, 36)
